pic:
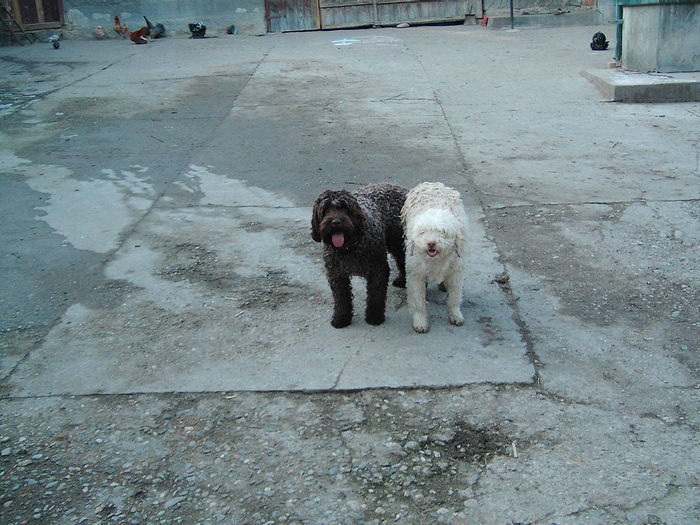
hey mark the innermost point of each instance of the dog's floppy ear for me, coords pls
(317, 216)
(316, 222)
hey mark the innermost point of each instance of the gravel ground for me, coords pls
(471, 455)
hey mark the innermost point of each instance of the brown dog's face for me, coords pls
(337, 219)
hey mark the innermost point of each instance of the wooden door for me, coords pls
(38, 14)
(336, 14)
(292, 15)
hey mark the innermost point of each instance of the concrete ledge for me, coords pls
(582, 18)
(625, 86)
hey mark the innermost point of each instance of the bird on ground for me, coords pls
(121, 30)
(155, 30)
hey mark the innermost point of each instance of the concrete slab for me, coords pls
(625, 86)
(214, 297)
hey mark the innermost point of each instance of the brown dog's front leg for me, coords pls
(342, 299)
(377, 284)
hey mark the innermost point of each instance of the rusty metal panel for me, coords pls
(293, 15)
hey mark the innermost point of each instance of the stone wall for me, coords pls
(248, 16)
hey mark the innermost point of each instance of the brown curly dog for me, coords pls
(357, 230)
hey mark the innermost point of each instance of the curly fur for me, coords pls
(357, 230)
(435, 226)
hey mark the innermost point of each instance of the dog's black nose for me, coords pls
(335, 222)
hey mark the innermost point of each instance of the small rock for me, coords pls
(174, 501)
(411, 445)
(6, 452)
(403, 25)
(444, 435)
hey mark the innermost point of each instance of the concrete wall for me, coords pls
(492, 7)
(607, 8)
(664, 38)
(247, 15)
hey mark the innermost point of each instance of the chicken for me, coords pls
(140, 36)
(155, 30)
(100, 33)
(121, 30)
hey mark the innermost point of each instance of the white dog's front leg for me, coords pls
(454, 284)
(415, 293)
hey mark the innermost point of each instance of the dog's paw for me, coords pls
(421, 324)
(340, 322)
(456, 318)
(375, 319)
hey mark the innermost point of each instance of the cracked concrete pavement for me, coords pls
(167, 355)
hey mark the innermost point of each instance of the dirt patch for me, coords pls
(109, 294)
(579, 251)
(476, 444)
(192, 262)
(273, 290)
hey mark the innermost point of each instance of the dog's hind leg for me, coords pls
(400, 257)
(342, 299)
(377, 284)
(415, 293)
(454, 284)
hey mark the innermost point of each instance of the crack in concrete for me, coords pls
(504, 279)
(540, 204)
(342, 371)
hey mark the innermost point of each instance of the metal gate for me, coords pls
(301, 15)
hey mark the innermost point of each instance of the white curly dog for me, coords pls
(435, 226)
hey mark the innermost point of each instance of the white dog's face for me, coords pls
(432, 243)
(433, 234)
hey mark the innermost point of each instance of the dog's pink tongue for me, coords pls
(338, 239)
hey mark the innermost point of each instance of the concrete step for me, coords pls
(626, 86)
(574, 18)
